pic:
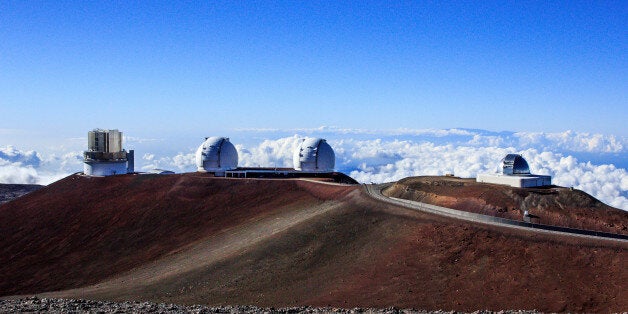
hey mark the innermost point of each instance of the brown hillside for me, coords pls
(81, 230)
(194, 239)
(553, 205)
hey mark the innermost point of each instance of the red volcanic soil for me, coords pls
(553, 205)
(81, 230)
(195, 239)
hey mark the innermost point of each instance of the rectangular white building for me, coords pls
(518, 181)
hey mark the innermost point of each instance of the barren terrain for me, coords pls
(553, 205)
(195, 239)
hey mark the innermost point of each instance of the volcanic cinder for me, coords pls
(553, 205)
(196, 239)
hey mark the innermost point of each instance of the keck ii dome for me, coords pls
(216, 154)
(314, 155)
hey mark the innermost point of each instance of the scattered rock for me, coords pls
(47, 305)
(9, 192)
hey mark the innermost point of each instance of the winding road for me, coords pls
(375, 191)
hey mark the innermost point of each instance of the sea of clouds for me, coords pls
(594, 163)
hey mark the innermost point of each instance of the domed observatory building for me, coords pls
(314, 155)
(513, 170)
(216, 155)
(104, 155)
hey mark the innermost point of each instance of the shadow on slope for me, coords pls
(305, 243)
(81, 230)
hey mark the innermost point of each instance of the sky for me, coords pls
(397, 87)
(154, 66)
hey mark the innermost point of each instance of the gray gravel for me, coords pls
(45, 305)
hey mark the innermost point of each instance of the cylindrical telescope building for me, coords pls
(104, 155)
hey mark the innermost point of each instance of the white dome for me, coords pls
(314, 155)
(216, 154)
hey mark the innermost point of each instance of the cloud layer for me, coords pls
(382, 156)
(18, 166)
(571, 141)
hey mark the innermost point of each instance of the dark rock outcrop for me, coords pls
(9, 192)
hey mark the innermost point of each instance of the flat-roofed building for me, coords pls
(514, 170)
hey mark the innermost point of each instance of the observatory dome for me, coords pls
(514, 164)
(216, 154)
(314, 155)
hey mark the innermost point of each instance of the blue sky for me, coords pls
(148, 67)
(397, 88)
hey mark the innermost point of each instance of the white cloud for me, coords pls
(13, 155)
(403, 159)
(18, 174)
(573, 141)
(29, 167)
(18, 166)
(379, 160)
(269, 153)
(132, 139)
(605, 182)
(354, 131)
(562, 141)
(182, 162)
(148, 157)
(368, 157)
(69, 162)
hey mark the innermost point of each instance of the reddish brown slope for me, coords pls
(368, 254)
(81, 230)
(351, 251)
(554, 205)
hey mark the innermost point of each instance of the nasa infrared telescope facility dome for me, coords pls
(217, 155)
(513, 170)
(314, 155)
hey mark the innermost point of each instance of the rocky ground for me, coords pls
(552, 205)
(196, 239)
(8, 192)
(47, 305)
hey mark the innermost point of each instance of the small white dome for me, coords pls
(314, 155)
(216, 154)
